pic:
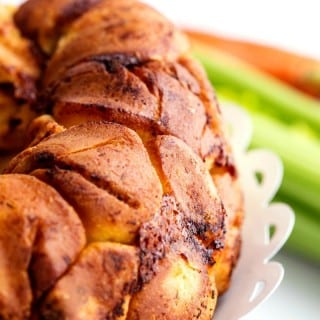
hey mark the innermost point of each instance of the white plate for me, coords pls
(255, 277)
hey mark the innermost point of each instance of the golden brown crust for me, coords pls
(112, 197)
(192, 187)
(104, 171)
(124, 30)
(175, 281)
(32, 216)
(42, 127)
(142, 97)
(44, 21)
(232, 198)
(18, 66)
(18, 75)
(181, 289)
(98, 286)
(14, 120)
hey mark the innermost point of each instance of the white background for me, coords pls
(293, 25)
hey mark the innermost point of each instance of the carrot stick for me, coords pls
(299, 71)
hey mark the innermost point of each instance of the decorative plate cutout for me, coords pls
(266, 227)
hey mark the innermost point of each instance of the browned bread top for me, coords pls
(44, 21)
(125, 30)
(34, 251)
(157, 197)
(142, 97)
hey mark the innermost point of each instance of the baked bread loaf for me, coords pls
(138, 154)
(141, 196)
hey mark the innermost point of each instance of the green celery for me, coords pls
(305, 237)
(300, 156)
(268, 94)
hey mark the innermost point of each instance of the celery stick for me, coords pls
(305, 237)
(298, 147)
(269, 94)
(296, 190)
(301, 183)
(300, 156)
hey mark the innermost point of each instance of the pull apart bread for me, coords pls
(126, 204)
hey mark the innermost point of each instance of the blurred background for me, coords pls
(265, 56)
(290, 24)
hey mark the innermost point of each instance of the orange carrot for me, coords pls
(299, 71)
